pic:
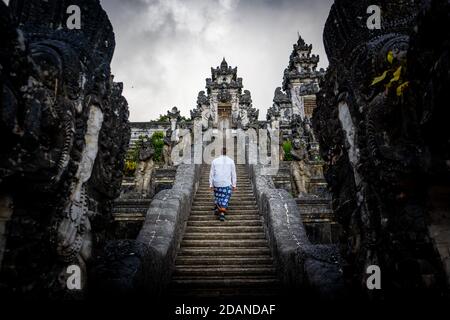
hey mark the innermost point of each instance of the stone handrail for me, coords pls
(300, 264)
(145, 265)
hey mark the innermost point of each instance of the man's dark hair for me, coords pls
(224, 151)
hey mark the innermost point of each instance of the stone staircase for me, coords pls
(130, 209)
(129, 215)
(283, 178)
(230, 258)
(318, 219)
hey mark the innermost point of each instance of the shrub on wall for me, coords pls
(129, 168)
(287, 148)
(157, 140)
(132, 159)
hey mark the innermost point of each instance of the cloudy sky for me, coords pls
(165, 48)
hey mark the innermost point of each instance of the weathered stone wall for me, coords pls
(156, 246)
(301, 265)
(386, 150)
(64, 133)
(146, 129)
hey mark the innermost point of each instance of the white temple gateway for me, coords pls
(225, 103)
(300, 85)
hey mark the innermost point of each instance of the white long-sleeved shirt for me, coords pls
(223, 173)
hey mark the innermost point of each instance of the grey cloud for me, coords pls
(165, 48)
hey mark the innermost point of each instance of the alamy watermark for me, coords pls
(373, 281)
(73, 281)
(374, 21)
(74, 20)
(249, 146)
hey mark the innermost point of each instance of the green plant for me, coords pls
(129, 168)
(157, 140)
(163, 118)
(287, 148)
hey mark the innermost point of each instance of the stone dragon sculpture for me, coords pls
(373, 138)
(64, 128)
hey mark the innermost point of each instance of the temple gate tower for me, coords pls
(225, 104)
(300, 83)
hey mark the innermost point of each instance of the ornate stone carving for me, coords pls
(202, 100)
(174, 117)
(145, 168)
(64, 134)
(373, 138)
(167, 149)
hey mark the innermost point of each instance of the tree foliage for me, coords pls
(157, 140)
(287, 148)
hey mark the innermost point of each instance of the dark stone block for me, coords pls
(126, 269)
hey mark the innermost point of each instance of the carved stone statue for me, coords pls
(300, 170)
(167, 149)
(64, 133)
(380, 141)
(145, 168)
(174, 117)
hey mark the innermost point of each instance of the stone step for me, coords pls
(234, 197)
(328, 216)
(224, 236)
(205, 187)
(233, 202)
(239, 183)
(231, 210)
(229, 217)
(129, 217)
(247, 281)
(217, 223)
(225, 292)
(132, 202)
(239, 175)
(229, 261)
(222, 252)
(236, 194)
(209, 271)
(131, 210)
(235, 207)
(315, 210)
(257, 243)
(239, 192)
(313, 201)
(239, 172)
(245, 190)
(205, 182)
(224, 228)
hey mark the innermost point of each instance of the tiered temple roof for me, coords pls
(302, 65)
(224, 77)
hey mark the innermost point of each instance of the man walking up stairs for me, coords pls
(222, 181)
(224, 258)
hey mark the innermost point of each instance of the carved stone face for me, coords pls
(297, 144)
(146, 151)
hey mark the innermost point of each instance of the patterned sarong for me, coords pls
(222, 196)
